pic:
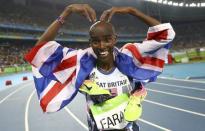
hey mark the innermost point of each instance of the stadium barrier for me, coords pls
(25, 78)
(189, 55)
(8, 82)
(15, 69)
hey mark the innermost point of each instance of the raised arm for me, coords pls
(107, 15)
(52, 30)
(145, 59)
(158, 34)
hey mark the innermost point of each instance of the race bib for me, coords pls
(110, 114)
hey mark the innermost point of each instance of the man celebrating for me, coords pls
(112, 79)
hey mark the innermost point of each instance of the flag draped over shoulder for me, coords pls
(60, 71)
(145, 61)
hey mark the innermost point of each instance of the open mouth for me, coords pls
(103, 53)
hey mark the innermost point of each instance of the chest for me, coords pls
(116, 82)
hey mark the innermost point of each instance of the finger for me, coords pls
(91, 13)
(87, 15)
(104, 16)
(110, 16)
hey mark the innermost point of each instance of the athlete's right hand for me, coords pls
(83, 9)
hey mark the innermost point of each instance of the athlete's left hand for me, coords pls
(107, 14)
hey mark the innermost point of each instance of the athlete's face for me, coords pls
(102, 41)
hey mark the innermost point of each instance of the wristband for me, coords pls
(61, 20)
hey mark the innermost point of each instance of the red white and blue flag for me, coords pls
(60, 71)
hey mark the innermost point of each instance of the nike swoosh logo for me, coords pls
(88, 87)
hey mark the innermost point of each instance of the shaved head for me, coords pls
(101, 28)
(102, 40)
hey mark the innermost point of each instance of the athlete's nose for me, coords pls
(102, 44)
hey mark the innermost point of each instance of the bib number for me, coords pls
(110, 114)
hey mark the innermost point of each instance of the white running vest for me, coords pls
(114, 81)
(117, 83)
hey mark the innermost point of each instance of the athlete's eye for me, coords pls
(108, 39)
(94, 41)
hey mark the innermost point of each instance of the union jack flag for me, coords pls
(60, 71)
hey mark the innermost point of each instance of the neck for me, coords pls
(105, 66)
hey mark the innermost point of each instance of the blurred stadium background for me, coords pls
(23, 21)
(172, 104)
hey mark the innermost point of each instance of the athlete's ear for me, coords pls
(115, 39)
(90, 43)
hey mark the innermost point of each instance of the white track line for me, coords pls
(15, 91)
(168, 78)
(26, 111)
(152, 124)
(174, 94)
(81, 123)
(178, 86)
(15, 85)
(142, 120)
(176, 108)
